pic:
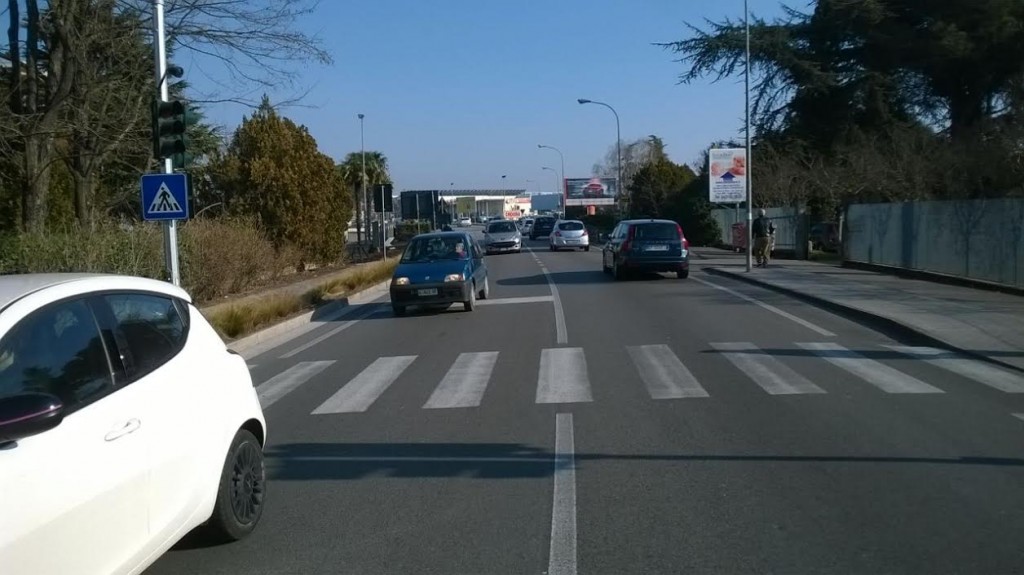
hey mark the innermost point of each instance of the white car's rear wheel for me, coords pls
(241, 492)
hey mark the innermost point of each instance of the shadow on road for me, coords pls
(349, 461)
(580, 277)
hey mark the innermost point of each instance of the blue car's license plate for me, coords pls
(426, 292)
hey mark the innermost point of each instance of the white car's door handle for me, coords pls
(128, 427)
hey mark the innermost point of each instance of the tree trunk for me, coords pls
(42, 108)
(36, 184)
(84, 183)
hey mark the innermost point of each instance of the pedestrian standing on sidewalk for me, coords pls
(763, 230)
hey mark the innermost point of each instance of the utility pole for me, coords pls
(746, 97)
(361, 204)
(160, 56)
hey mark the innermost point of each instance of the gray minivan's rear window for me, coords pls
(656, 231)
(570, 226)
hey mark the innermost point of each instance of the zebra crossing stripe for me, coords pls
(773, 376)
(970, 368)
(664, 375)
(465, 382)
(359, 394)
(288, 380)
(563, 376)
(877, 374)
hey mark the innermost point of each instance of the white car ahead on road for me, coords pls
(125, 423)
(569, 234)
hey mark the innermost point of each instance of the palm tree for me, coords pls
(351, 170)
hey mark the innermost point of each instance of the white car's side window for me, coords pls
(57, 350)
(151, 327)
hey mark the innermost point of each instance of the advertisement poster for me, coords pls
(728, 175)
(590, 191)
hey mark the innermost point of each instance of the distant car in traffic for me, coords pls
(646, 246)
(465, 222)
(502, 236)
(526, 225)
(439, 269)
(569, 234)
(542, 227)
(125, 423)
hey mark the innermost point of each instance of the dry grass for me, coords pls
(360, 277)
(238, 321)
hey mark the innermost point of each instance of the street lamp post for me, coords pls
(555, 172)
(746, 105)
(362, 194)
(618, 144)
(561, 157)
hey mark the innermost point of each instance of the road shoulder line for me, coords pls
(817, 329)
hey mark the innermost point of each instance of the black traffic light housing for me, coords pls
(169, 128)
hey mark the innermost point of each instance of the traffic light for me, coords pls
(168, 128)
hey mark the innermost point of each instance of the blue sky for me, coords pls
(462, 91)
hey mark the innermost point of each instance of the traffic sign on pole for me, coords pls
(164, 197)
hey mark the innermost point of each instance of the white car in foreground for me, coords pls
(125, 423)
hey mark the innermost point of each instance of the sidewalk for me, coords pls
(977, 322)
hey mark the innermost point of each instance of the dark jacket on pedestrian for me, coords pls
(763, 227)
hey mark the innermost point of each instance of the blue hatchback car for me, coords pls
(440, 268)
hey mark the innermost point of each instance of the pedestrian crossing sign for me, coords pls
(164, 197)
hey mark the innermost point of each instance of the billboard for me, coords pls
(727, 174)
(590, 191)
(382, 193)
(420, 204)
(465, 205)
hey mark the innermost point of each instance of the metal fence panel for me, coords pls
(976, 239)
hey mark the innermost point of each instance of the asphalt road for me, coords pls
(667, 426)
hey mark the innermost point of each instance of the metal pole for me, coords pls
(361, 208)
(383, 231)
(561, 157)
(618, 152)
(746, 98)
(160, 56)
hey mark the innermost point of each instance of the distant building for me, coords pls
(444, 206)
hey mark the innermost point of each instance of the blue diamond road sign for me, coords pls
(164, 197)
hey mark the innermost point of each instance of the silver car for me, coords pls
(570, 234)
(502, 236)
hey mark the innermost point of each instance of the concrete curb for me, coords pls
(282, 332)
(864, 316)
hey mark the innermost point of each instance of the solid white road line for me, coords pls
(665, 376)
(562, 557)
(1019, 416)
(515, 300)
(419, 459)
(772, 375)
(345, 325)
(274, 342)
(970, 368)
(563, 376)
(877, 374)
(285, 382)
(561, 334)
(360, 393)
(465, 382)
(769, 307)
